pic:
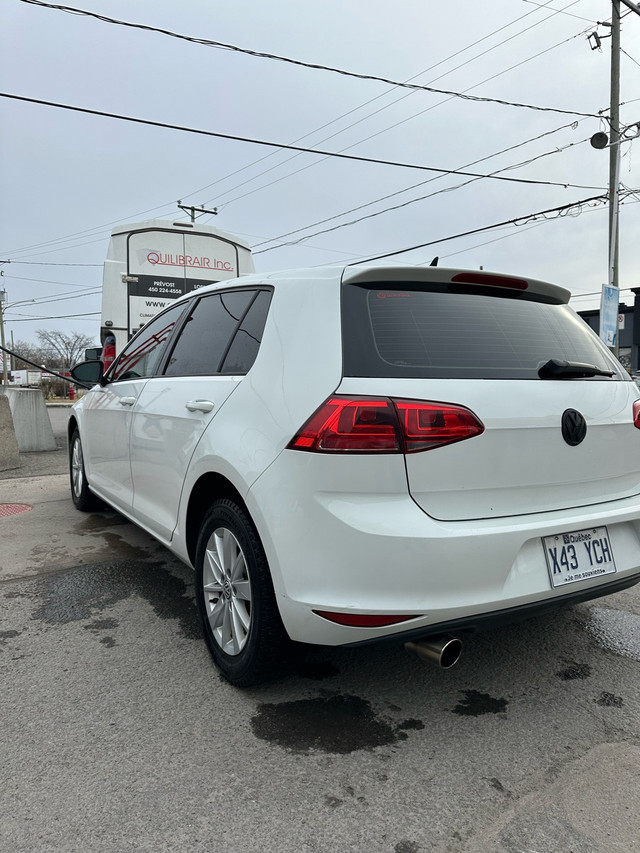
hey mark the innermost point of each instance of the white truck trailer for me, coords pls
(25, 378)
(151, 263)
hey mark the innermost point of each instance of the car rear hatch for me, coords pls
(556, 411)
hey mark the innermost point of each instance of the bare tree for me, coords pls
(37, 354)
(68, 348)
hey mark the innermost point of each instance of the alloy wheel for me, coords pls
(77, 468)
(227, 591)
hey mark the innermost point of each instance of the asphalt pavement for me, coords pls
(117, 734)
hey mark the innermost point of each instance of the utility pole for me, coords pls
(5, 378)
(614, 149)
(193, 210)
(611, 291)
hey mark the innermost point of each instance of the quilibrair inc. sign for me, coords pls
(168, 259)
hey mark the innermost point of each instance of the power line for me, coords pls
(344, 115)
(86, 232)
(596, 293)
(311, 65)
(264, 186)
(523, 219)
(48, 280)
(628, 55)
(33, 318)
(310, 150)
(64, 248)
(75, 245)
(555, 11)
(377, 97)
(562, 12)
(46, 264)
(519, 230)
(401, 204)
(354, 157)
(384, 130)
(218, 198)
(486, 80)
(386, 106)
(37, 301)
(511, 233)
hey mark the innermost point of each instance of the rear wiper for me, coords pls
(556, 369)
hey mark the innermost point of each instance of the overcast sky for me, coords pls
(68, 178)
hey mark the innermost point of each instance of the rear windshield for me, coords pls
(444, 331)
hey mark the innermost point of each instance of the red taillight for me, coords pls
(355, 424)
(636, 414)
(108, 355)
(429, 425)
(362, 620)
(384, 425)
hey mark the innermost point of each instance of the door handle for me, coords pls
(199, 406)
(127, 401)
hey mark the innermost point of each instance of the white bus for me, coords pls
(151, 263)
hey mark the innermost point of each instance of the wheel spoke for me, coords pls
(216, 614)
(237, 642)
(225, 542)
(215, 609)
(242, 590)
(238, 569)
(242, 618)
(226, 631)
(213, 568)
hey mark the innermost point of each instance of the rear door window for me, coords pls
(444, 331)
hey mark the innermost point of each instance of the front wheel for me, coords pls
(82, 496)
(236, 601)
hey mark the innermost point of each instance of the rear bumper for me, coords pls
(375, 551)
(507, 616)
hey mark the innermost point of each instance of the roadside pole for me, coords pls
(5, 378)
(614, 159)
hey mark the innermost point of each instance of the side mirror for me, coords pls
(88, 373)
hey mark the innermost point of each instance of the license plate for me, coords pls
(578, 556)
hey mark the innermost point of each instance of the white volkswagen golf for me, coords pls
(352, 454)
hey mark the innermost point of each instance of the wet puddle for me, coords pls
(335, 724)
(475, 704)
(97, 522)
(574, 671)
(83, 593)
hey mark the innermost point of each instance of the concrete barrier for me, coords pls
(30, 419)
(9, 456)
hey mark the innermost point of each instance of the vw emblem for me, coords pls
(574, 427)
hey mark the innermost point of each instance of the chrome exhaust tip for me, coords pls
(442, 651)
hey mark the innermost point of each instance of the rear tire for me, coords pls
(81, 495)
(236, 601)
